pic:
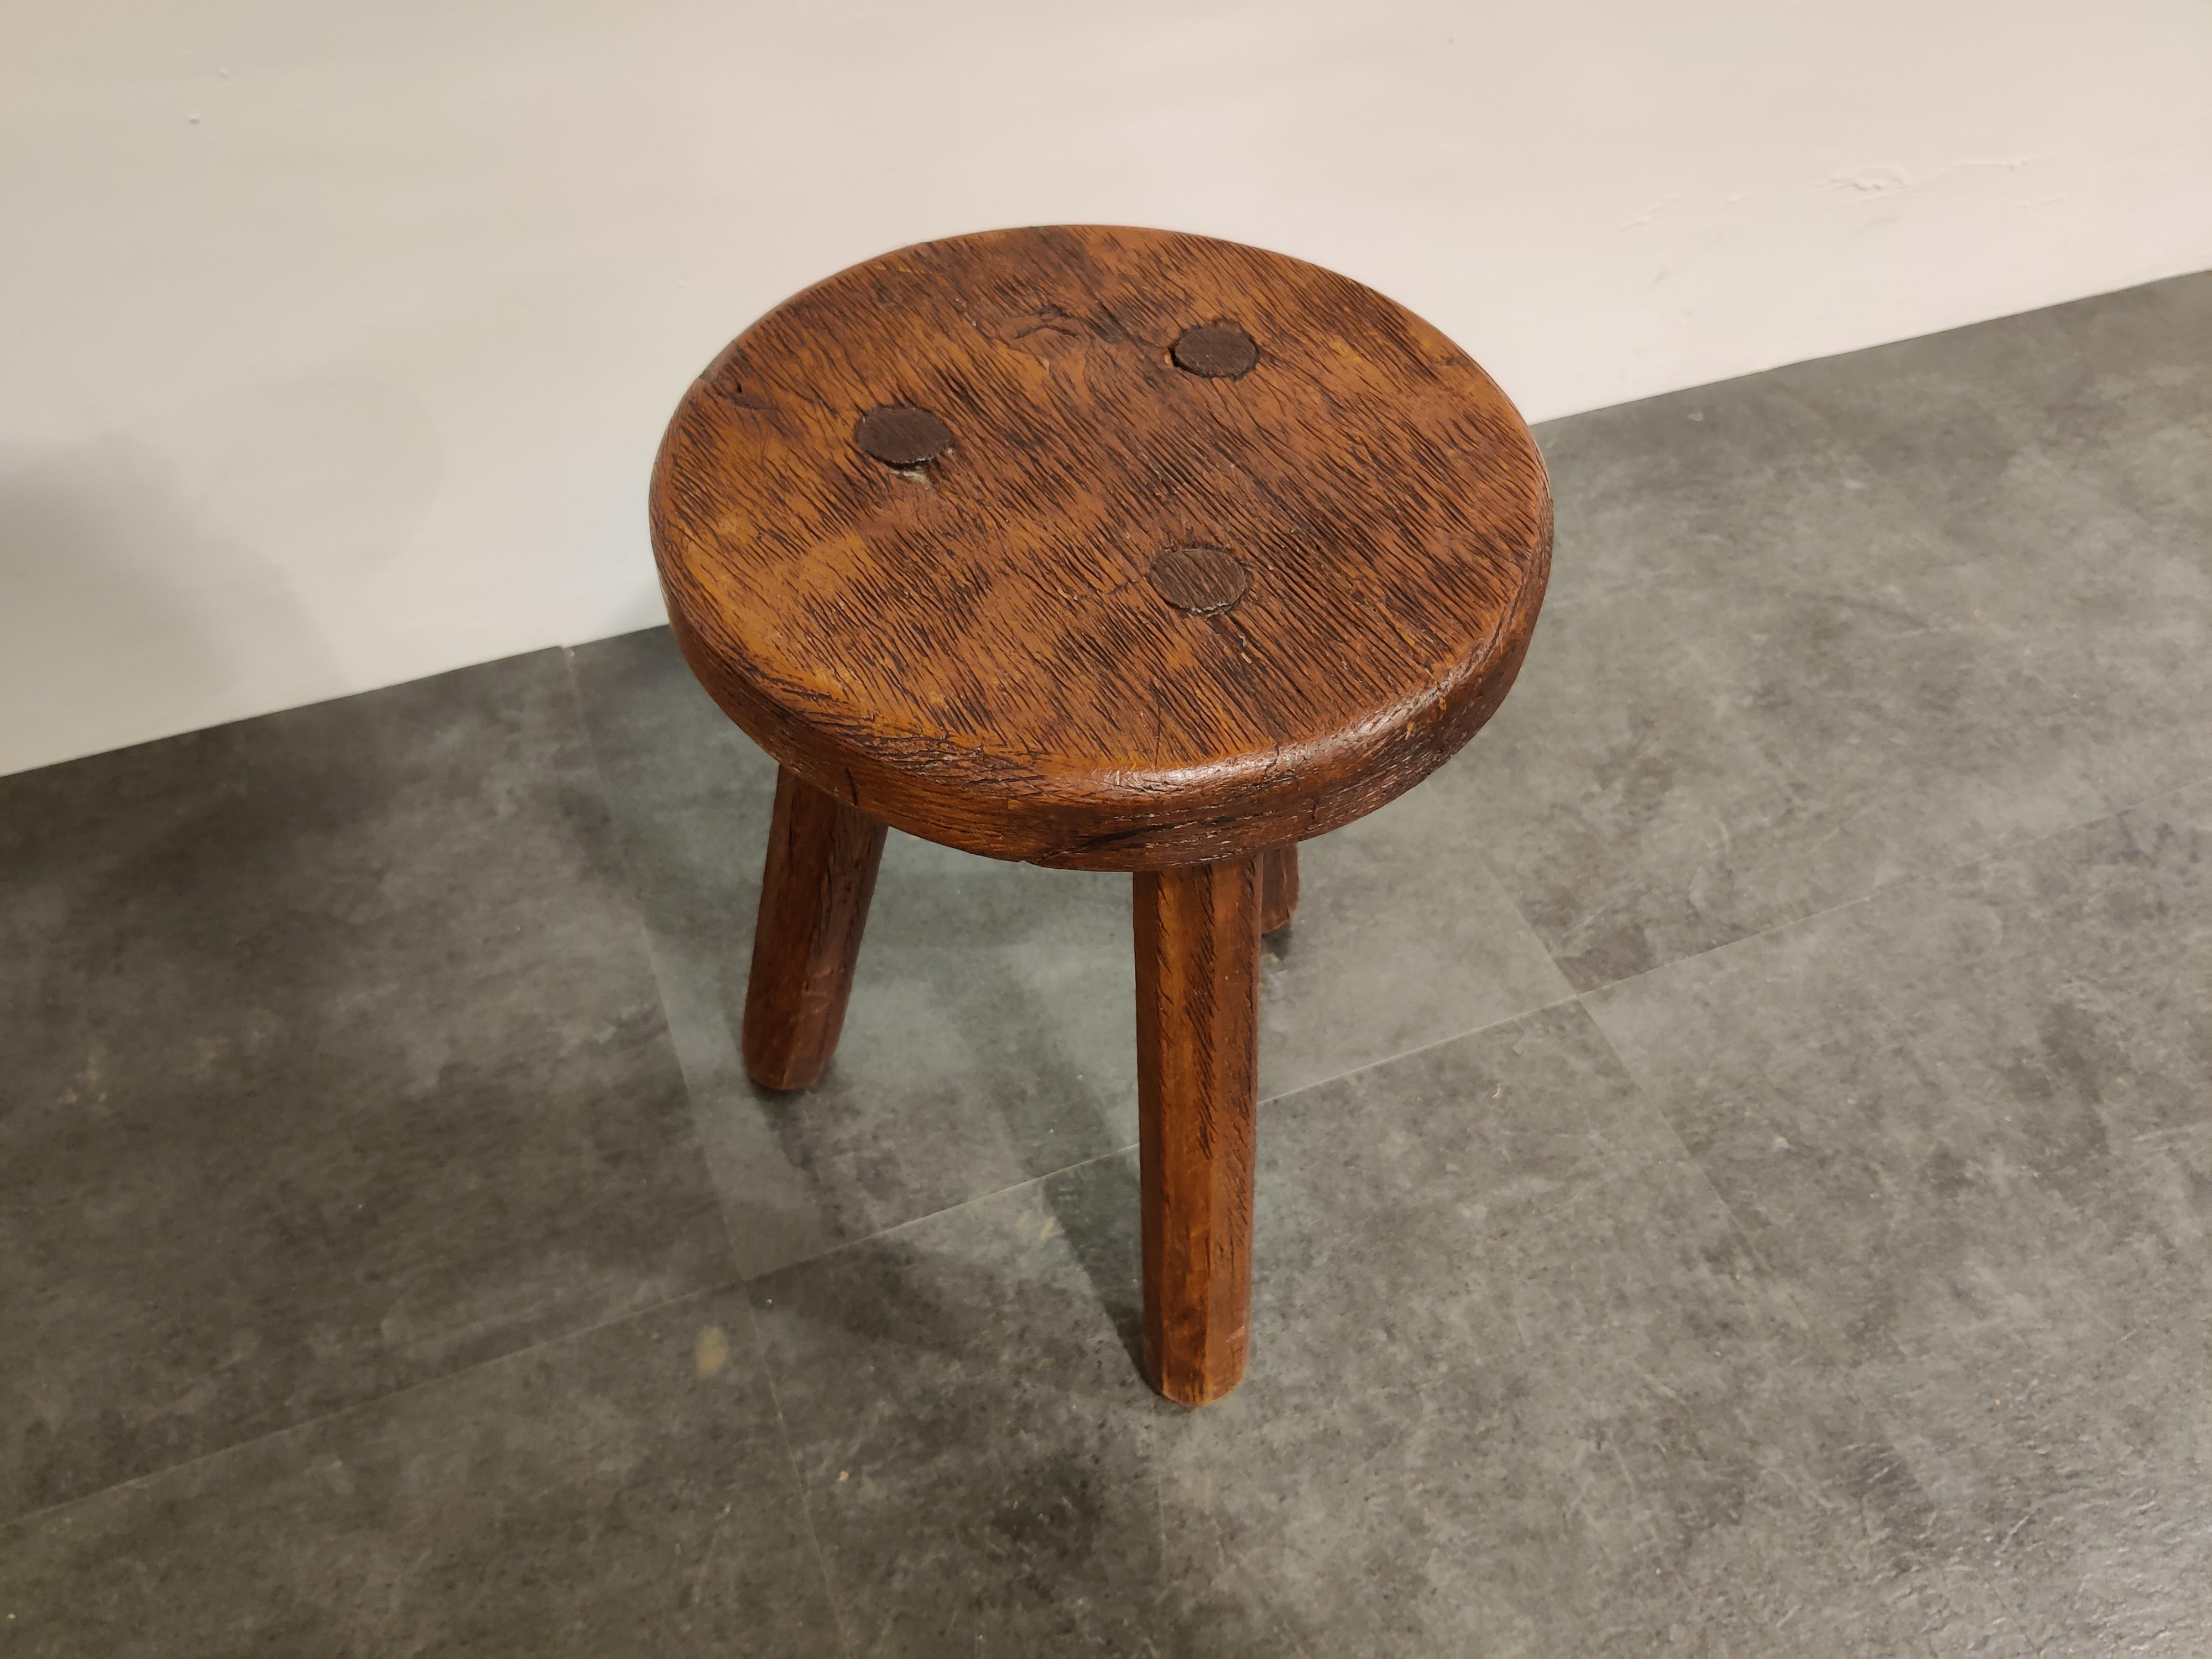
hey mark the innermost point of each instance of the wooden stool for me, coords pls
(1106, 549)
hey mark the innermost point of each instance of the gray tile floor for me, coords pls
(1736, 1172)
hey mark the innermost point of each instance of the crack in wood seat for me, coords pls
(1104, 549)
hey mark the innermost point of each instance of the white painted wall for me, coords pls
(338, 336)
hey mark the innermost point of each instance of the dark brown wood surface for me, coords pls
(820, 875)
(1009, 541)
(1197, 1022)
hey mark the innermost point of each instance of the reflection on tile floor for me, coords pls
(1737, 1170)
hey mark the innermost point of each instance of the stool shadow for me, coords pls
(982, 1007)
(1002, 1426)
(1098, 1206)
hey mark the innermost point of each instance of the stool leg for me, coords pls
(1279, 887)
(1198, 1019)
(822, 859)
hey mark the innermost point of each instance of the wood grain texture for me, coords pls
(1198, 1022)
(821, 874)
(1279, 888)
(973, 646)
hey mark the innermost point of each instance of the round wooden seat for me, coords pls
(1106, 549)
(1101, 548)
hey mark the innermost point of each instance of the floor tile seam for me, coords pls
(636, 911)
(798, 1479)
(716, 1287)
(1604, 985)
(1393, 1058)
(654, 961)
(1840, 1371)
(1513, 903)
(882, 1233)
(2167, 792)
(1651, 1104)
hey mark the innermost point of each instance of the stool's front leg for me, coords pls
(821, 874)
(1198, 1018)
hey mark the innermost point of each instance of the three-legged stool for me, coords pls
(1106, 549)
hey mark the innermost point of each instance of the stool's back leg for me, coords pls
(1198, 1016)
(822, 859)
(1279, 887)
